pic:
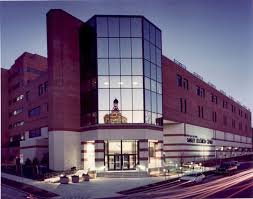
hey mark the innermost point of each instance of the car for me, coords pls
(226, 168)
(236, 163)
(193, 177)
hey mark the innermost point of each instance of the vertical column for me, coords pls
(84, 159)
(143, 153)
(159, 153)
(99, 154)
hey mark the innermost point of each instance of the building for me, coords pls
(107, 99)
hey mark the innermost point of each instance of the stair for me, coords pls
(123, 174)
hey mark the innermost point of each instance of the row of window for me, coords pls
(35, 133)
(14, 87)
(183, 109)
(16, 124)
(183, 82)
(16, 99)
(34, 112)
(16, 112)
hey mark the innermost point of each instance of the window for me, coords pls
(46, 86)
(114, 48)
(185, 84)
(27, 95)
(16, 112)
(240, 126)
(136, 27)
(233, 108)
(102, 30)
(35, 133)
(125, 47)
(102, 47)
(20, 123)
(34, 112)
(151, 149)
(214, 98)
(225, 104)
(137, 67)
(113, 28)
(233, 123)
(200, 92)
(18, 98)
(201, 111)
(41, 89)
(124, 27)
(225, 120)
(114, 66)
(179, 80)
(136, 47)
(126, 67)
(183, 105)
(214, 117)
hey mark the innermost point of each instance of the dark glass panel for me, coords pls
(147, 68)
(126, 95)
(124, 27)
(136, 47)
(136, 27)
(153, 86)
(128, 115)
(113, 23)
(159, 88)
(137, 67)
(148, 117)
(102, 44)
(146, 50)
(103, 68)
(147, 83)
(125, 47)
(159, 74)
(159, 103)
(137, 99)
(114, 47)
(102, 28)
(152, 34)
(114, 66)
(158, 56)
(103, 99)
(153, 71)
(147, 100)
(152, 53)
(154, 116)
(153, 100)
(125, 66)
(158, 38)
(146, 29)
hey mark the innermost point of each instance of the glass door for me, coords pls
(117, 162)
(126, 161)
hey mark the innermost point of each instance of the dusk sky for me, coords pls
(211, 37)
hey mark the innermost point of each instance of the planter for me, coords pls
(86, 177)
(75, 179)
(64, 180)
(92, 174)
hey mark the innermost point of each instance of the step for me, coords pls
(123, 174)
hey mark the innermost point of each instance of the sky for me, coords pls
(211, 37)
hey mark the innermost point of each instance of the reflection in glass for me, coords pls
(152, 53)
(146, 50)
(126, 81)
(159, 103)
(136, 27)
(137, 81)
(113, 23)
(114, 47)
(125, 50)
(153, 100)
(103, 67)
(152, 34)
(124, 27)
(159, 74)
(128, 115)
(102, 47)
(114, 66)
(147, 68)
(115, 94)
(147, 83)
(148, 117)
(126, 95)
(137, 99)
(137, 67)
(158, 56)
(136, 47)
(154, 118)
(103, 99)
(103, 82)
(125, 66)
(153, 86)
(147, 100)
(101, 115)
(114, 147)
(115, 82)
(138, 117)
(159, 88)
(146, 29)
(153, 71)
(129, 147)
(102, 30)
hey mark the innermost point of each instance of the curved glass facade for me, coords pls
(128, 58)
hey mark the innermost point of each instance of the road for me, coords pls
(239, 185)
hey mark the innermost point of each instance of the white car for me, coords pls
(193, 177)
